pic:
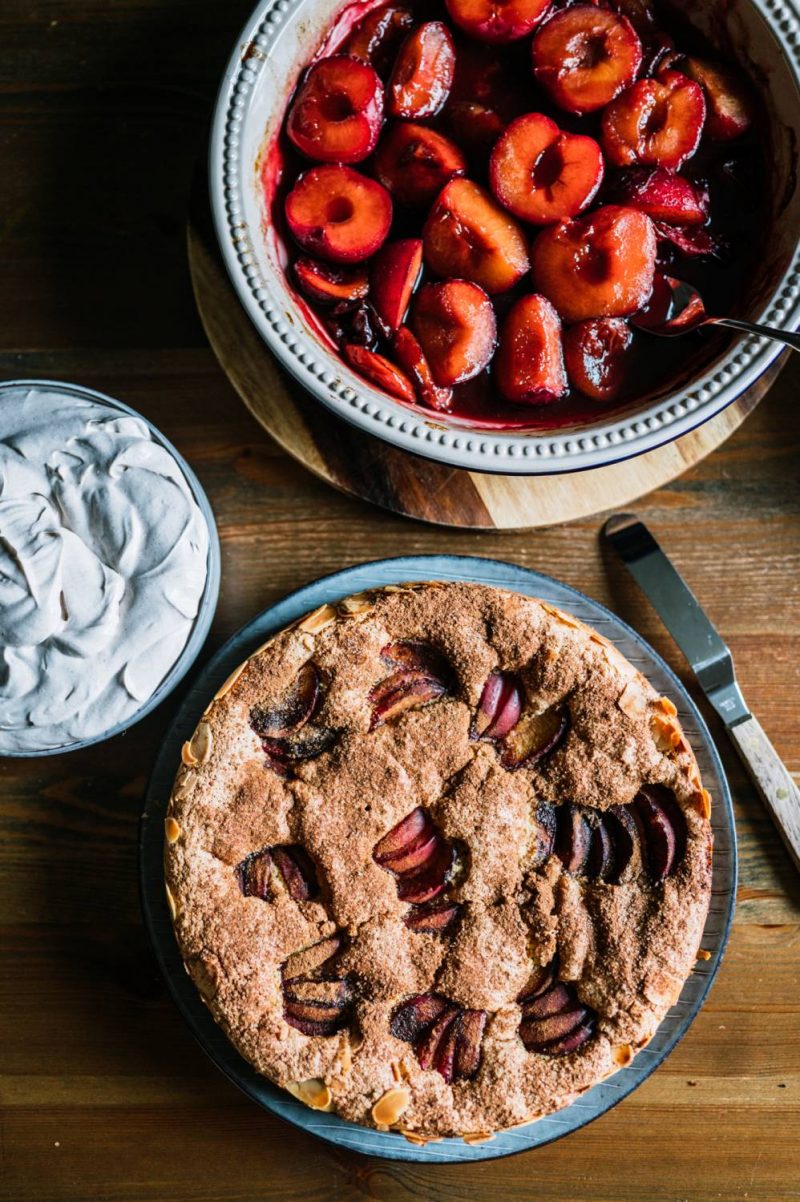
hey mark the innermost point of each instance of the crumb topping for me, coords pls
(440, 859)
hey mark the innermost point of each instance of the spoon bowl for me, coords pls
(677, 308)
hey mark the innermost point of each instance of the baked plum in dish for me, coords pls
(480, 202)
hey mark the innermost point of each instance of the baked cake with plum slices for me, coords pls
(439, 859)
(482, 202)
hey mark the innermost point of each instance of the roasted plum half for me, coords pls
(338, 214)
(584, 56)
(337, 114)
(600, 265)
(542, 174)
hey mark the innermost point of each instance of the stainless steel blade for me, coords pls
(681, 613)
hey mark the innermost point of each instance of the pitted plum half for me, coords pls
(456, 327)
(596, 354)
(469, 237)
(655, 122)
(414, 162)
(529, 364)
(730, 105)
(584, 56)
(377, 37)
(541, 174)
(423, 72)
(498, 20)
(600, 265)
(337, 113)
(338, 214)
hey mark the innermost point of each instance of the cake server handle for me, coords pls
(712, 663)
(772, 780)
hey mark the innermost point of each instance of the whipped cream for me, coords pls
(103, 563)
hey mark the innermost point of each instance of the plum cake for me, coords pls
(439, 859)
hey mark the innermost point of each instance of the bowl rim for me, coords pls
(210, 595)
(278, 319)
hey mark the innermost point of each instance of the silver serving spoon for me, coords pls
(685, 312)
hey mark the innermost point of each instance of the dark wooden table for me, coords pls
(103, 109)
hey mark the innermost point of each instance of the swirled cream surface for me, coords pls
(103, 563)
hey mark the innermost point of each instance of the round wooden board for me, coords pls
(408, 484)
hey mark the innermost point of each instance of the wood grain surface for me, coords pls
(367, 467)
(104, 1095)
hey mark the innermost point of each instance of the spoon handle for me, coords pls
(750, 327)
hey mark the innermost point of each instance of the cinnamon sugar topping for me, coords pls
(406, 891)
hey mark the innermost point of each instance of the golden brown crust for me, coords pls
(626, 948)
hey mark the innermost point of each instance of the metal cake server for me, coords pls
(712, 664)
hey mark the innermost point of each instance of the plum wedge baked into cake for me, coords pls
(439, 859)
